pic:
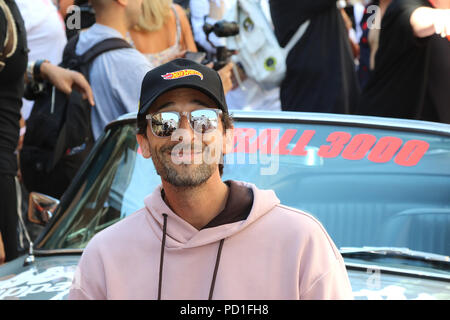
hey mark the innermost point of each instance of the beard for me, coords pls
(187, 175)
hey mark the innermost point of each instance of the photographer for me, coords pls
(245, 93)
(207, 11)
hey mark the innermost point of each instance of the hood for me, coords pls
(181, 234)
(48, 278)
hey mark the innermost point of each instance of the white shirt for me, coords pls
(46, 36)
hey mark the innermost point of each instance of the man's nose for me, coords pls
(184, 131)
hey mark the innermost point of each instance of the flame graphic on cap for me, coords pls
(182, 74)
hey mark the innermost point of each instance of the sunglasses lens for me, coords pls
(164, 123)
(204, 120)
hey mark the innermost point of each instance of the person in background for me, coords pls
(114, 74)
(320, 75)
(14, 70)
(412, 66)
(46, 39)
(370, 25)
(184, 4)
(46, 35)
(163, 32)
(351, 33)
(250, 95)
(63, 5)
(363, 68)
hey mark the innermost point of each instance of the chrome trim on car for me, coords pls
(325, 118)
(52, 252)
(398, 271)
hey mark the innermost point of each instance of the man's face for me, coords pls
(187, 158)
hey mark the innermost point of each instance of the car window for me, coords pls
(367, 186)
(114, 186)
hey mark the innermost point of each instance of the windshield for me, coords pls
(367, 186)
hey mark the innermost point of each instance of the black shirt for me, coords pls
(412, 75)
(320, 74)
(11, 92)
(237, 208)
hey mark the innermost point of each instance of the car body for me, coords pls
(379, 186)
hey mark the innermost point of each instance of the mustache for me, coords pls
(187, 146)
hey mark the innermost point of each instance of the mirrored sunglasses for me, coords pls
(163, 124)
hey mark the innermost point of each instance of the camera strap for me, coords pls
(296, 37)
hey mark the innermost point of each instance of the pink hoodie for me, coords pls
(276, 253)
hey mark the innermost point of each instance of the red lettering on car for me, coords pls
(242, 138)
(265, 141)
(299, 149)
(411, 153)
(286, 138)
(338, 140)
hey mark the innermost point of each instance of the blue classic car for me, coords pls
(380, 187)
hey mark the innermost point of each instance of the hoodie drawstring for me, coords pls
(216, 267)
(161, 261)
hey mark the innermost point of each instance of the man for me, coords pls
(199, 237)
(113, 74)
(320, 72)
(412, 65)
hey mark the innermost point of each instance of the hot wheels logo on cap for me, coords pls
(182, 74)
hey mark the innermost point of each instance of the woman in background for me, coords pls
(163, 32)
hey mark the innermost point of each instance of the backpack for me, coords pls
(59, 135)
(259, 52)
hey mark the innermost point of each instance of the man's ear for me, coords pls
(144, 144)
(228, 140)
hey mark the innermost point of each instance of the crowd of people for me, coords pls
(383, 57)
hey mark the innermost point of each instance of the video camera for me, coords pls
(221, 29)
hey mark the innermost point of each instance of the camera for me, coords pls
(221, 29)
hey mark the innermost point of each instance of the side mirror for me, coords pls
(41, 208)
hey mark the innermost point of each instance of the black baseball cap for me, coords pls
(181, 73)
